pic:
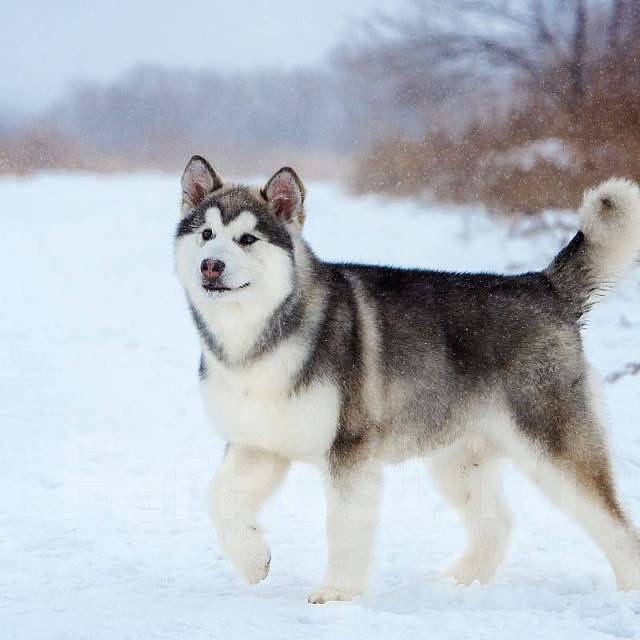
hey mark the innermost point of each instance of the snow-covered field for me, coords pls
(105, 453)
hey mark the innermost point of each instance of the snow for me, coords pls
(551, 150)
(105, 453)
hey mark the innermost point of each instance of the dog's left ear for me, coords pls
(198, 181)
(285, 194)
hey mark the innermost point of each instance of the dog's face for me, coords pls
(235, 244)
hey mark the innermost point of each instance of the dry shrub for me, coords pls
(42, 148)
(490, 162)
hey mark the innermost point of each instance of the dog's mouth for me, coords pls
(212, 287)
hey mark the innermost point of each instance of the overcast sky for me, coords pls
(46, 44)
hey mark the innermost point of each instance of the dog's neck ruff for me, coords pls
(278, 326)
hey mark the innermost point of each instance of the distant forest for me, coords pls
(517, 103)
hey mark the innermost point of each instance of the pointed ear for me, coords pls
(198, 181)
(285, 194)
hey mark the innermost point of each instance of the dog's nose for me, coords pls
(211, 269)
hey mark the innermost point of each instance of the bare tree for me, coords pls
(562, 72)
(478, 40)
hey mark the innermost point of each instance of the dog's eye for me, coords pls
(207, 234)
(247, 239)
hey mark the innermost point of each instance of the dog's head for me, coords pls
(235, 243)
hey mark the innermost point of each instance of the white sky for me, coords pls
(46, 44)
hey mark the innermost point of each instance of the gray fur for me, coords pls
(416, 354)
(445, 339)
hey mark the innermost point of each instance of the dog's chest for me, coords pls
(253, 406)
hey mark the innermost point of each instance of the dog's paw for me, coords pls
(255, 561)
(256, 566)
(248, 552)
(461, 578)
(327, 594)
(465, 572)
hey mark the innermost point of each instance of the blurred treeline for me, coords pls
(527, 102)
(520, 104)
(156, 118)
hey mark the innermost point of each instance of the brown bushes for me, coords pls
(574, 119)
(538, 157)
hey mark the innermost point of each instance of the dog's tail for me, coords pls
(604, 249)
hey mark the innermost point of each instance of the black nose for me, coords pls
(212, 269)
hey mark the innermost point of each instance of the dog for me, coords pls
(350, 367)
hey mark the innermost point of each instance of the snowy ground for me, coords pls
(105, 453)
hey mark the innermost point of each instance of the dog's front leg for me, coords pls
(353, 499)
(246, 478)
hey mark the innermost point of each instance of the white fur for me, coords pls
(620, 543)
(612, 232)
(469, 479)
(235, 317)
(246, 478)
(352, 512)
(467, 473)
(252, 406)
(250, 403)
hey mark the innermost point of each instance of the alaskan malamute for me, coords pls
(351, 366)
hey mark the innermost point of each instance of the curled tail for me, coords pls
(604, 249)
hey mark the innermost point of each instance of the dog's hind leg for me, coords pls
(565, 451)
(470, 481)
(580, 482)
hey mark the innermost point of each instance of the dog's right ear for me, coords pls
(199, 180)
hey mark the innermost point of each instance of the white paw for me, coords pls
(256, 565)
(248, 552)
(327, 594)
(466, 572)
